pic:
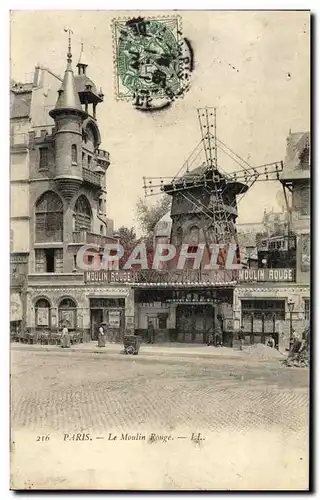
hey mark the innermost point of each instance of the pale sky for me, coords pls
(257, 103)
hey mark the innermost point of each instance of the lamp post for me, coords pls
(291, 307)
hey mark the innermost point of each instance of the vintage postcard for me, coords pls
(160, 250)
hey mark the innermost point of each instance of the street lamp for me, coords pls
(291, 307)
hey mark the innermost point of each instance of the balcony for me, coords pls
(92, 178)
(151, 278)
(88, 238)
(19, 142)
(103, 155)
(186, 277)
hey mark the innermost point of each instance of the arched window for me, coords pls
(43, 316)
(82, 214)
(49, 217)
(68, 314)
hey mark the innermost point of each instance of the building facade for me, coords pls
(282, 305)
(58, 203)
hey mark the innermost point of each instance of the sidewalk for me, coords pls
(146, 350)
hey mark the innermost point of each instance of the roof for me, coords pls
(247, 239)
(68, 98)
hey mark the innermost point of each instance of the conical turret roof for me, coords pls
(68, 98)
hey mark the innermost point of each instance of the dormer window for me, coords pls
(74, 155)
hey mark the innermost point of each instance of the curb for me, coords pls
(116, 355)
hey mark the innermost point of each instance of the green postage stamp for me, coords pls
(153, 62)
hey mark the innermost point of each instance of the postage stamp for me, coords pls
(153, 62)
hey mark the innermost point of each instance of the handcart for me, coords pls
(131, 344)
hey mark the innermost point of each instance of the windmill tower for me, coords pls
(205, 198)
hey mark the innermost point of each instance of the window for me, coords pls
(89, 161)
(90, 259)
(43, 158)
(74, 156)
(307, 309)
(49, 260)
(100, 204)
(101, 229)
(260, 307)
(82, 214)
(83, 159)
(74, 262)
(49, 217)
(67, 314)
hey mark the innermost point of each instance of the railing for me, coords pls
(91, 177)
(19, 140)
(165, 278)
(86, 237)
(187, 277)
(197, 276)
(103, 155)
(48, 278)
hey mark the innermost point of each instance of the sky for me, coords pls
(252, 66)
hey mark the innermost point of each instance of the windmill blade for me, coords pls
(266, 172)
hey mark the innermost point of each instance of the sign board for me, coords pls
(242, 275)
(42, 316)
(108, 277)
(275, 275)
(114, 319)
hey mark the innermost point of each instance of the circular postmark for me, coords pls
(153, 62)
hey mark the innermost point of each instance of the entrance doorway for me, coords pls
(96, 318)
(194, 322)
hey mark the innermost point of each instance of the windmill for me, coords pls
(208, 194)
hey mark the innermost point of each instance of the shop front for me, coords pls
(183, 314)
(66, 300)
(111, 313)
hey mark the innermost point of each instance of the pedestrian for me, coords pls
(270, 342)
(101, 337)
(210, 339)
(65, 338)
(241, 337)
(150, 332)
(218, 336)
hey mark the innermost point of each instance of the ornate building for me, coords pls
(58, 201)
(283, 305)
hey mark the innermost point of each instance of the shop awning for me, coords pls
(15, 307)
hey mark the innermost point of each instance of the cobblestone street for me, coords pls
(71, 392)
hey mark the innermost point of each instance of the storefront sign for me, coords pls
(251, 275)
(114, 319)
(108, 277)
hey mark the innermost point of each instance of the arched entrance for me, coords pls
(68, 314)
(43, 314)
